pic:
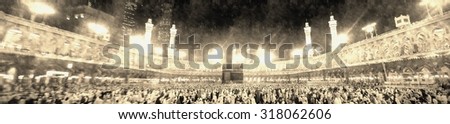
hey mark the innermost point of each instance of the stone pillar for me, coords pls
(334, 35)
(148, 31)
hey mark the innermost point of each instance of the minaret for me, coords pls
(308, 39)
(171, 48)
(307, 34)
(334, 41)
(173, 34)
(148, 31)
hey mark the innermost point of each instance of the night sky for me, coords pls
(246, 21)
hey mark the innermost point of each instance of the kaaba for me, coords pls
(232, 73)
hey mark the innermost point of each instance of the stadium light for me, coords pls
(41, 8)
(70, 66)
(434, 4)
(98, 28)
(424, 3)
(343, 38)
(370, 29)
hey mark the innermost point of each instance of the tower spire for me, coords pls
(333, 30)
